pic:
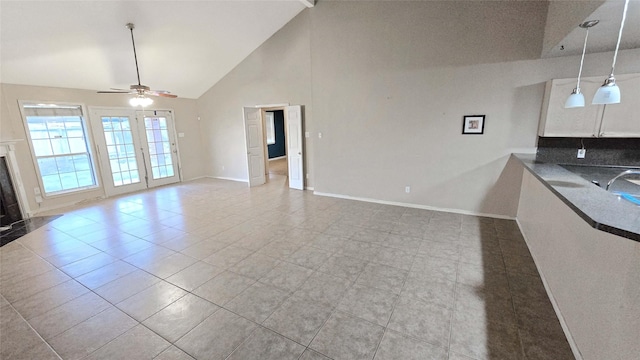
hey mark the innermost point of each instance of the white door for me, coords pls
(118, 147)
(294, 146)
(255, 146)
(161, 160)
(137, 150)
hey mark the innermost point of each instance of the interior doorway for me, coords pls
(274, 144)
(275, 140)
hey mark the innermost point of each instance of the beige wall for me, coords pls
(12, 127)
(389, 84)
(277, 72)
(592, 276)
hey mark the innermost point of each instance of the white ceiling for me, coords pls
(183, 46)
(603, 36)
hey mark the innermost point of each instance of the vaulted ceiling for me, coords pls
(183, 46)
(187, 46)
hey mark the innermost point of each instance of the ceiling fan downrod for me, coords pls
(131, 26)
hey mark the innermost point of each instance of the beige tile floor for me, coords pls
(210, 269)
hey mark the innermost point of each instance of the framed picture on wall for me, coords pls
(473, 124)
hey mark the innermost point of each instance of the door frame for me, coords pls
(104, 168)
(272, 107)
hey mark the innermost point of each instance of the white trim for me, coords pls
(69, 204)
(278, 158)
(554, 303)
(89, 140)
(415, 206)
(228, 178)
(197, 178)
(268, 106)
(310, 188)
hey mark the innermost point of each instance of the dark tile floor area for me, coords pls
(213, 270)
(23, 227)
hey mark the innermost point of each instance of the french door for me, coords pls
(136, 149)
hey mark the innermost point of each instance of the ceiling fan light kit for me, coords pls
(140, 91)
(140, 100)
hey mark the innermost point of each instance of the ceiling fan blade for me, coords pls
(165, 95)
(114, 92)
(161, 93)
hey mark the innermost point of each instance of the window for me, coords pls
(270, 127)
(60, 146)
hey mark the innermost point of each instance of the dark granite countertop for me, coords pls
(601, 209)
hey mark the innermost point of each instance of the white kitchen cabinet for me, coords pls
(623, 120)
(617, 120)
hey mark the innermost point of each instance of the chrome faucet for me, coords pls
(624, 173)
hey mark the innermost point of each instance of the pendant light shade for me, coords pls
(609, 92)
(576, 99)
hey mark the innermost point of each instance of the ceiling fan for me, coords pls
(140, 91)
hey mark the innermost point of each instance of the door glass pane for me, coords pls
(159, 147)
(123, 163)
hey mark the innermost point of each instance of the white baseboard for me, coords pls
(309, 188)
(228, 178)
(415, 206)
(196, 178)
(554, 303)
(38, 211)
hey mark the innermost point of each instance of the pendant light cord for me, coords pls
(584, 49)
(624, 17)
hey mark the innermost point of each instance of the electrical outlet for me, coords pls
(582, 153)
(407, 189)
(36, 190)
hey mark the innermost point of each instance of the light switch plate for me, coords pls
(582, 153)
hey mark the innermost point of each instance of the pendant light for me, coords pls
(576, 99)
(609, 92)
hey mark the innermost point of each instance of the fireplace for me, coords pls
(17, 219)
(9, 208)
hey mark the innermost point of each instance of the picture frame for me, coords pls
(473, 124)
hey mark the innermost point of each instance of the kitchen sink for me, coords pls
(601, 175)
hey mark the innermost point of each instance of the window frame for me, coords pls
(88, 135)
